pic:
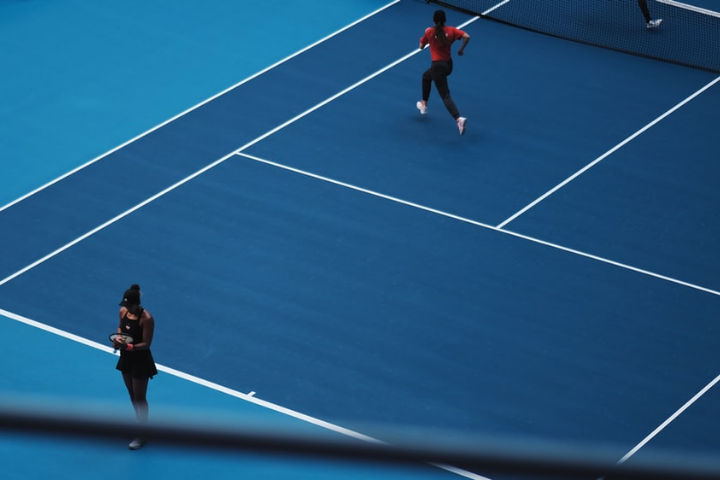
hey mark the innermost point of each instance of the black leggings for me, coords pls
(645, 10)
(137, 388)
(438, 73)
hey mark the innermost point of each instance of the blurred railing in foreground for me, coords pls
(486, 456)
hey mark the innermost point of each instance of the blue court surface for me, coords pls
(319, 256)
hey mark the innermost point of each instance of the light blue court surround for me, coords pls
(344, 304)
(80, 78)
(83, 380)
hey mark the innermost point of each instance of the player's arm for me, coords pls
(465, 39)
(117, 343)
(148, 331)
(121, 314)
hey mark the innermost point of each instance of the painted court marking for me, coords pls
(195, 107)
(480, 224)
(248, 397)
(693, 8)
(670, 419)
(343, 92)
(607, 154)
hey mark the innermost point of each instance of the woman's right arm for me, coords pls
(121, 314)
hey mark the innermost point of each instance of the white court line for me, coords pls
(339, 94)
(670, 419)
(112, 220)
(500, 229)
(212, 165)
(251, 397)
(611, 262)
(490, 10)
(248, 397)
(607, 154)
(479, 224)
(195, 107)
(693, 8)
(365, 190)
(312, 109)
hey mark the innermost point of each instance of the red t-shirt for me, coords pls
(437, 51)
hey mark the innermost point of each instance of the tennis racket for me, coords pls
(120, 338)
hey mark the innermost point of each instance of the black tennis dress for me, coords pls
(139, 363)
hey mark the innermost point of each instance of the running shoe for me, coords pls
(461, 123)
(137, 443)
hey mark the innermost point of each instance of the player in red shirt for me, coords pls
(440, 38)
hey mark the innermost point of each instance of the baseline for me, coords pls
(248, 397)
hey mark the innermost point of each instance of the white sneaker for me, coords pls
(461, 123)
(137, 443)
(654, 23)
(422, 107)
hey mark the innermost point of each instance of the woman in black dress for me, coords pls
(136, 361)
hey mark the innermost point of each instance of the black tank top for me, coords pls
(132, 327)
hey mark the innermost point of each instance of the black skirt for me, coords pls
(139, 364)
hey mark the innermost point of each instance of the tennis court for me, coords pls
(320, 257)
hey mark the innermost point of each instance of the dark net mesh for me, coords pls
(689, 35)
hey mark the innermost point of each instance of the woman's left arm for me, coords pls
(465, 39)
(148, 325)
